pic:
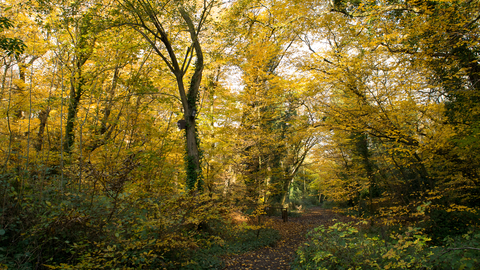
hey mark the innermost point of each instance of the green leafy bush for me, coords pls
(343, 246)
(178, 232)
(442, 223)
(81, 229)
(459, 252)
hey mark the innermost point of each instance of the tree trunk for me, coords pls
(193, 155)
(43, 117)
(192, 159)
(167, 53)
(363, 150)
(75, 95)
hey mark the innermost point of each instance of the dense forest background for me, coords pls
(142, 124)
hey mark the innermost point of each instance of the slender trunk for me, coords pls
(109, 104)
(4, 78)
(252, 173)
(10, 132)
(277, 178)
(75, 95)
(77, 82)
(427, 181)
(27, 161)
(61, 183)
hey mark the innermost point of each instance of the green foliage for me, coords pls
(301, 193)
(13, 46)
(460, 252)
(191, 171)
(328, 204)
(236, 240)
(134, 230)
(15, 213)
(345, 246)
(47, 227)
(149, 233)
(443, 223)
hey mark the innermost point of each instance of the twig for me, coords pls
(452, 249)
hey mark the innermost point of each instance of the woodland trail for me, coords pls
(293, 235)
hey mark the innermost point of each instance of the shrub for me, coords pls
(443, 223)
(89, 229)
(179, 232)
(343, 246)
(459, 252)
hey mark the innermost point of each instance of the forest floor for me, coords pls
(293, 233)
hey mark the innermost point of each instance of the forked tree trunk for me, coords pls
(189, 102)
(154, 33)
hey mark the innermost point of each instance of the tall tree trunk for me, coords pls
(193, 154)
(192, 141)
(75, 95)
(84, 48)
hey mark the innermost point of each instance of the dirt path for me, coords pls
(293, 234)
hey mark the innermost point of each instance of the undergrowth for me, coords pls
(71, 229)
(345, 246)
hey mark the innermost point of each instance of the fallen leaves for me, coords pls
(282, 253)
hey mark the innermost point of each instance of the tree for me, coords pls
(273, 135)
(369, 105)
(173, 28)
(440, 36)
(392, 89)
(73, 23)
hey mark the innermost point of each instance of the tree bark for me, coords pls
(74, 102)
(194, 169)
(43, 117)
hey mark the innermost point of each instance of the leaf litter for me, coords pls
(280, 255)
